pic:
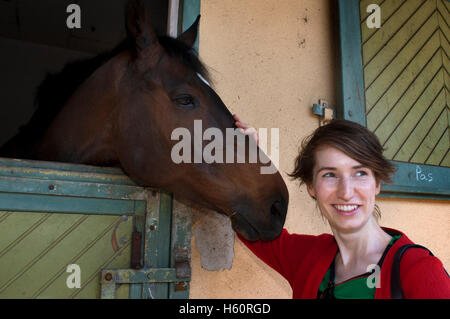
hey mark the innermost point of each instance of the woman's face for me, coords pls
(344, 188)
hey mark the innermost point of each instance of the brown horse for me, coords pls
(124, 112)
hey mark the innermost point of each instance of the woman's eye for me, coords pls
(361, 173)
(329, 174)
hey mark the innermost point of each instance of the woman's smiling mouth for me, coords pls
(346, 210)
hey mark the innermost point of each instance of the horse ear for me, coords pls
(189, 36)
(139, 26)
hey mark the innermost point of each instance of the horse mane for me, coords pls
(56, 88)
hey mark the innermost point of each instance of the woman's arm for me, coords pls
(285, 253)
(423, 277)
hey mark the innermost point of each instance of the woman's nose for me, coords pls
(345, 189)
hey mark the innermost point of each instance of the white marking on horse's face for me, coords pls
(203, 79)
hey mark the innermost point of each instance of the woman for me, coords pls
(342, 166)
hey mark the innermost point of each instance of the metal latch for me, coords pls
(179, 275)
(325, 112)
(111, 277)
(182, 268)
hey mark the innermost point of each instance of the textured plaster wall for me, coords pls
(271, 60)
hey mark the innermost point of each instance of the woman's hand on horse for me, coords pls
(244, 129)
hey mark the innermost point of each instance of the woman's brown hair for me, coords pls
(353, 139)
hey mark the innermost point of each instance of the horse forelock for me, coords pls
(185, 54)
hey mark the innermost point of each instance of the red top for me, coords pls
(304, 260)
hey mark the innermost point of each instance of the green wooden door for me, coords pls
(36, 249)
(395, 81)
(54, 215)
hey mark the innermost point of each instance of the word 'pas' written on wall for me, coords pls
(74, 19)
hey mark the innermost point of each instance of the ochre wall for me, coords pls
(271, 60)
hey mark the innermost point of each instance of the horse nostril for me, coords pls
(277, 209)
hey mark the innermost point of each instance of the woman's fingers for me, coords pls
(238, 122)
(244, 129)
(241, 125)
(251, 131)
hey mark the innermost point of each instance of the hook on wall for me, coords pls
(325, 112)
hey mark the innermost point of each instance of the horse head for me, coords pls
(126, 113)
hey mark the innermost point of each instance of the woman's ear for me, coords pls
(378, 188)
(311, 191)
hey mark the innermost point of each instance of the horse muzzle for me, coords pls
(259, 230)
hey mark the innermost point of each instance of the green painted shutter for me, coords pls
(395, 80)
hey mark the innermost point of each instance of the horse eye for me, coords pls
(185, 101)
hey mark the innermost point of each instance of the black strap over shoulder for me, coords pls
(396, 285)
